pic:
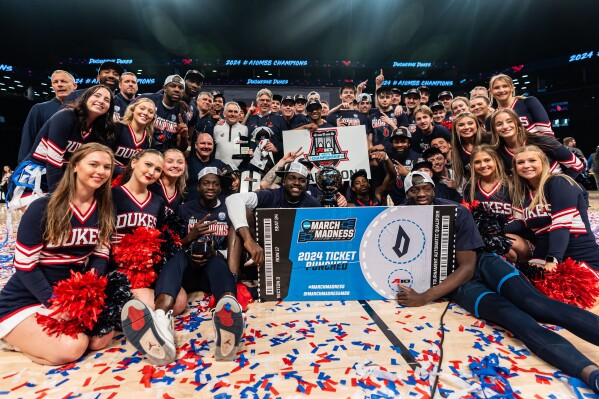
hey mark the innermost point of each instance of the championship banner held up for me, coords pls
(353, 253)
(344, 148)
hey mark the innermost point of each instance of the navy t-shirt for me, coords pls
(276, 199)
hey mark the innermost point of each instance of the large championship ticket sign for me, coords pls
(353, 253)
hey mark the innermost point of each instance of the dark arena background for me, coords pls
(319, 349)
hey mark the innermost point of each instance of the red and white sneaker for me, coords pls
(150, 332)
(228, 326)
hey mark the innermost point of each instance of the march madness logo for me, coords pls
(327, 230)
(325, 149)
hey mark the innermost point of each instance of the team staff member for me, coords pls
(200, 157)
(265, 117)
(490, 288)
(63, 84)
(127, 91)
(170, 127)
(50, 246)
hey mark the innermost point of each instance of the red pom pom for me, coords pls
(78, 301)
(471, 205)
(243, 297)
(570, 282)
(137, 254)
(117, 181)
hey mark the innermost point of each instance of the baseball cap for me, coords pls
(436, 105)
(208, 170)
(421, 162)
(364, 97)
(288, 99)
(228, 169)
(313, 105)
(424, 88)
(174, 79)
(401, 131)
(445, 94)
(111, 65)
(313, 93)
(194, 75)
(293, 167)
(277, 97)
(359, 173)
(424, 178)
(414, 92)
(300, 98)
(395, 90)
(304, 161)
(216, 93)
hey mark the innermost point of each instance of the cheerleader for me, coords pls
(508, 134)
(466, 133)
(134, 132)
(481, 107)
(136, 206)
(459, 105)
(152, 311)
(67, 231)
(554, 208)
(88, 120)
(171, 185)
(490, 186)
(530, 111)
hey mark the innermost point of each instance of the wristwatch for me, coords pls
(551, 259)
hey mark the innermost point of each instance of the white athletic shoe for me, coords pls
(229, 325)
(151, 333)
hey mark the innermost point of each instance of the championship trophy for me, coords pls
(329, 181)
(262, 159)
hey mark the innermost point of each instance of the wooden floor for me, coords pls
(301, 349)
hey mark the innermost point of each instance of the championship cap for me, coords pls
(424, 88)
(174, 79)
(288, 99)
(229, 169)
(209, 170)
(277, 97)
(300, 98)
(445, 94)
(106, 65)
(216, 93)
(194, 76)
(436, 105)
(420, 177)
(293, 167)
(313, 105)
(364, 97)
(304, 161)
(413, 92)
(395, 90)
(401, 131)
(313, 93)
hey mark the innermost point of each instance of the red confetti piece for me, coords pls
(87, 381)
(106, 387)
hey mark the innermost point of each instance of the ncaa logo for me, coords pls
(221, 216)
